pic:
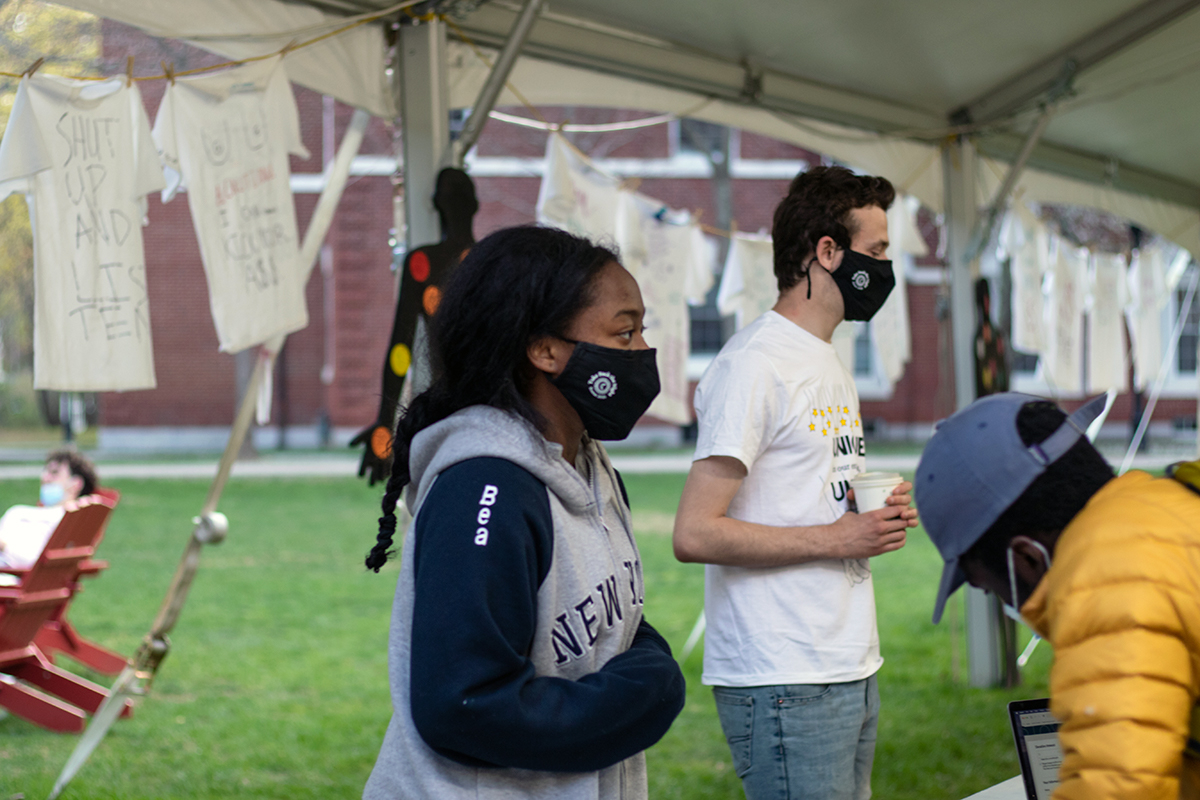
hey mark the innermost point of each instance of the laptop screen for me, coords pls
(1035, 731)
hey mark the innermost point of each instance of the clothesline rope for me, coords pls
(169, 74)
(605, 127)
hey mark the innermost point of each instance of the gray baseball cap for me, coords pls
(975, 466)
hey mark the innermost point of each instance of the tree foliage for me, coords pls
(69, 41)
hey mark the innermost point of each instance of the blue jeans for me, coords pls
(802, 742)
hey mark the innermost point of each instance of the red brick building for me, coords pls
(327, 379)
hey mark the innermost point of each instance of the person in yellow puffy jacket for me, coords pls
(1106, 569)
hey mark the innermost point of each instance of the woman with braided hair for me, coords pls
(520, 663)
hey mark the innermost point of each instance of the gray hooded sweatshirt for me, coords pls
(587, 612)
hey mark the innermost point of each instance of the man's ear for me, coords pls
(828, 253)
(545, 356)
(1028, 562)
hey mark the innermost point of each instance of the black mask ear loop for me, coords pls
(808, 272)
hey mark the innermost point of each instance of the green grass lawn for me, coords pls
(276, 684)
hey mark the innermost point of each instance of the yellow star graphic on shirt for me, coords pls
(812, 426)
(815, 412)
(825, 432)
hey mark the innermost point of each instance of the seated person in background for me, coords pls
(24, 530)
(1106, 569)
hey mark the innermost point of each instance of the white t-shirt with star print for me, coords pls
(779, 400)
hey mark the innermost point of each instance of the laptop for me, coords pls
(1035, 731)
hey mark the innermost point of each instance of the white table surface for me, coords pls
(1011, 789)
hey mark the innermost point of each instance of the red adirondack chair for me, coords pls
(58, 635)
(30, 685)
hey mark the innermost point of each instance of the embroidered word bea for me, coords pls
(486, 501)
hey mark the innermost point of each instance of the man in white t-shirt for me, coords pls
(792, 646)
(24, 530)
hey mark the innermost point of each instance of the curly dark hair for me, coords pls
(514, 286)
(80, 467)
(818, 204)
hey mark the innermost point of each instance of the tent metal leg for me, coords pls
(496, 79)
(986, 226)
(959, 163)
(425, 109)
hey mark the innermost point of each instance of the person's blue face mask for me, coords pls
(52, 494)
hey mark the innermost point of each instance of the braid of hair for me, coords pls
(420, 414)
(382, 550)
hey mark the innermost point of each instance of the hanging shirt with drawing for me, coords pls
(748, 285)
(575, 196)
(667, 255)
(81, 153)
(226, 137)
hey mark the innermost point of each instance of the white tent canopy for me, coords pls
(872, 84)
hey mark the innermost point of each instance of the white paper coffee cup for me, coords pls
(872, 489)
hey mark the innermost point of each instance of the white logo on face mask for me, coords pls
(602, 385)
(861, 280)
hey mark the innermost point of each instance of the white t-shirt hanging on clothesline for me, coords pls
(575, 196)
(226, 136)
(1027, 242)
(1148, 295)
(1108, 367)
(667, 256)
(890, 328)
(81, 153)
(748, 286)
(1062, 361)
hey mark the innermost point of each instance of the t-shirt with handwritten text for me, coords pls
(778, 399)
(226, 137)
(81, 153)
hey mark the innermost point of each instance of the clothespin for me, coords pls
(661, 214)
(287, 48)
(169, 72)
(129, 71)
(631, 184)
(33, 68)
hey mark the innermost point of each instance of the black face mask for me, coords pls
(609, 388)
(865, 284)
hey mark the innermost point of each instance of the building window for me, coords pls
(1024, 362)
(1189, 337)
(862, 352)
(698, 136)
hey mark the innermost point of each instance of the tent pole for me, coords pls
(1163, 370)
(425, 110)
(959, 163)
(985, 227)
(211, 526)
(496, 79)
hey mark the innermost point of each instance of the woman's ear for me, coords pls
(545, 355)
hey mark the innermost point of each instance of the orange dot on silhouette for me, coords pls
(463, 254)
(381, 442)
(418, 265)
(430, 300)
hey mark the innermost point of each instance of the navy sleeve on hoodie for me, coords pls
(474, 695)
